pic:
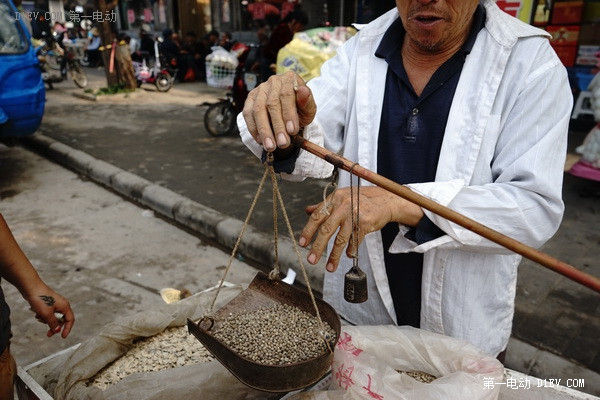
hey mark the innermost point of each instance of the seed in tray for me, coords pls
(277, 335)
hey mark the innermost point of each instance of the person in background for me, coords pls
(283, 33)
(134, 46)
(146, 44)
(226, 41)
(45, 303)
(208, 41)
(168, 48)
(450, 98)
(192, 51)
(93, 48)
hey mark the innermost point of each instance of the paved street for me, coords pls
(160, 137)
(109, 257)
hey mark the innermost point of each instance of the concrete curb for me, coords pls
(255, 245)
(258, 246)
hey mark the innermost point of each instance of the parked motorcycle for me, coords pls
(220, 117)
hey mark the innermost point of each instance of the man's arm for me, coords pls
(17, 270)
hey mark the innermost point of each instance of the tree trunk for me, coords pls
(125, 66)
(117, 59)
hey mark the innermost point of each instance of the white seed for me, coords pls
(169, 349)
(420, 376)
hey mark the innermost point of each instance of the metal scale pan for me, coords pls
(263, 292)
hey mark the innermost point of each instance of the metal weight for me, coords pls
(355, 280)
(355, 286)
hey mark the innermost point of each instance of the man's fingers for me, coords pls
(262, 119)
(313, 224)
(306, 106)
(289, 103)
(328, 228)
(275, 107)
(249, 115)
(340, 243)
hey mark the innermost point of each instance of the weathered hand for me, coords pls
(277, 109)
(45, 303)
(377, 208)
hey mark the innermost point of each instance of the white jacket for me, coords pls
(501, 164)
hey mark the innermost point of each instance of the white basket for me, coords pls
(219, 76)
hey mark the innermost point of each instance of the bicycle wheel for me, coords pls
(85, 60)
(78, 75)
(219, 119)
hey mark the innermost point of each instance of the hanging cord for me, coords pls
(332, 184)
(304, 274)
(275, 272)
(355, 217)
(276, 195)
(239, 240)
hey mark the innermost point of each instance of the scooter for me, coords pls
(162, 76)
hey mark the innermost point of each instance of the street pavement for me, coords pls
(152, 148)
(108, 256)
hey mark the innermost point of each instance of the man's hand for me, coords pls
(277, 109)
(377, 208)
(46, 303)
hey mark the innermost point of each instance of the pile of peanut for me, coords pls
(172, 348)
(420, 376)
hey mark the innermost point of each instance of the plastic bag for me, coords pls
(367, 360)
(209, 380)
(222, 58)
(220, 68)
(308, 50)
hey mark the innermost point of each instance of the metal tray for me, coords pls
(263, 292)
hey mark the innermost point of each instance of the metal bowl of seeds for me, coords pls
(269, 336)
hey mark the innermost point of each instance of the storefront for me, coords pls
(575, 29)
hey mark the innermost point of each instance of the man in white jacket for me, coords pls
(463, 104)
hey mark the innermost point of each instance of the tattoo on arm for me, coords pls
(49, 300)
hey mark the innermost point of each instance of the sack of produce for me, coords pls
(150, 355)
(404, 363)
(308, 50)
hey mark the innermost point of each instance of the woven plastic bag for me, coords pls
(367, 361)
(209, 380)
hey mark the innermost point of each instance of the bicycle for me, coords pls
(73, 54)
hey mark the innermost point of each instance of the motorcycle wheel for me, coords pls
(163, 82)
(219, 119)
(78, 75)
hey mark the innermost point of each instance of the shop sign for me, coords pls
(517, 8)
